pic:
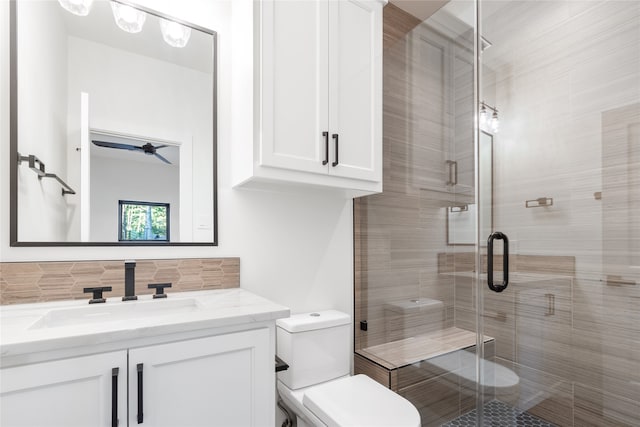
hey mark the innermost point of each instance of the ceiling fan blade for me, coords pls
(161, 146)
(116, 145)
(162, 158)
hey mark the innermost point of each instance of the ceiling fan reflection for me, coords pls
(147, 148)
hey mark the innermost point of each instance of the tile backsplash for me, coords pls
(27, 282)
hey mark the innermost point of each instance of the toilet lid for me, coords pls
(359, 401)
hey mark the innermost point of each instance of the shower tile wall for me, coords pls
(565, 77)
(399, 233)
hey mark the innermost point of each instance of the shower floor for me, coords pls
(499, 414)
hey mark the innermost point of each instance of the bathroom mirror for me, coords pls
(117, 104)
(461, 219)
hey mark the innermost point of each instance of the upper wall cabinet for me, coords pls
(317, 99)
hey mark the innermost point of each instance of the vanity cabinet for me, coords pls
(79, 391)
(224, 380)
(203, 358)
(317, 103)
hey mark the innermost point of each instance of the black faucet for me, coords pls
(129, 281)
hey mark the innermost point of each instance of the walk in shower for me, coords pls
(510, 127)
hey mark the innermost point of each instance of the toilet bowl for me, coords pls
(317, 386)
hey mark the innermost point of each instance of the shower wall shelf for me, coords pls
(540, 202)
(463, 208)
(38, 167)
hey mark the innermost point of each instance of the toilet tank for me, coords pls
(316, 346)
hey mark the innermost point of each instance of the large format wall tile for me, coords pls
(593, 407)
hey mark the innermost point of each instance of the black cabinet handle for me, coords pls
(497, 287)
(140, 391)
(114, 397)
(97, 293)
(326, 147)
(335, 137)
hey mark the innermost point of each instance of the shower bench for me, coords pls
(399, 364)
(437, 372)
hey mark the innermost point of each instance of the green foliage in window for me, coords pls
(144, 221)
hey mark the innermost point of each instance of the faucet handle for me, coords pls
(97, 293)
(159, 287)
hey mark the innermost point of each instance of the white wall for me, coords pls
(42, 91)
(295, 249)
(116, 179)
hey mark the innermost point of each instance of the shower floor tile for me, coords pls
(499, 414)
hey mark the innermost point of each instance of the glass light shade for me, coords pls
(128, 18)
(176, 35)
(77, 7)
(483, 119)
(494, 124)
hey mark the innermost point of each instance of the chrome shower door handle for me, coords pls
(453, 172)
(498, 287)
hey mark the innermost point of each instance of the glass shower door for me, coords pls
(562, 336)
(555, 167)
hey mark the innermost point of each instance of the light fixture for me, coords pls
(128, 18)
(494, 125)
(484, 116)
(77, 7)
(176, 35)
(488, 124)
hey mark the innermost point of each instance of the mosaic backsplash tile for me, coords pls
(27, 282)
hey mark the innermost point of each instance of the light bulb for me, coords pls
(176, 35)
(494, 124)
(128, 18)
(77, 7)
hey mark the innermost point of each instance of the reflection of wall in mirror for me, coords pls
(114, 179)
(41, 116)
(461, 225)
(138, 95)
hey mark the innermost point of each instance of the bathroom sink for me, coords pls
(113, 311)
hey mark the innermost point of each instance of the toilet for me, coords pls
(318, 387)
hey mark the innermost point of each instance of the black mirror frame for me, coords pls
(13, 142)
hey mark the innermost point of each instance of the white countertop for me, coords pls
(27, 328)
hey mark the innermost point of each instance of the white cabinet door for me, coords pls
(294, 85)
(355, 92)
(321, 88)
(225, 380)
(71, 392)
